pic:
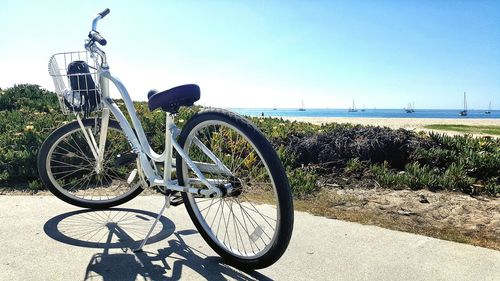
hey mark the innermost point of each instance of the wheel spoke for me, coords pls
(71, 168)
(234, 222)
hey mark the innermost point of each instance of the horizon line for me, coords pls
(346, 108)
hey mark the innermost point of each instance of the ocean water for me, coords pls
(374, 113)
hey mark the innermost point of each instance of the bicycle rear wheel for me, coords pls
(251, 225)
(67, 167)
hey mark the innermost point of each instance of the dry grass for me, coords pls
(468, 129)
(354, 209)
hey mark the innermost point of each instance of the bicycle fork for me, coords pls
(96, 149)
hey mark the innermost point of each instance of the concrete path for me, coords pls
(43, 238)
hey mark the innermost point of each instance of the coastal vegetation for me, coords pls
(312, 154)
(489, 130)
(367, 174)
(395, 159)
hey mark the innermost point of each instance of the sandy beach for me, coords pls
(416, 124)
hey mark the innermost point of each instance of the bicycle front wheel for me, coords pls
(251, 225)
(68, 168)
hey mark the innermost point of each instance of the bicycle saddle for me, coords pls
(170, 100)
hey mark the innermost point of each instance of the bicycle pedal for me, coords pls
(125, 159)
(162, 190)
(176, 199)
(175, 196)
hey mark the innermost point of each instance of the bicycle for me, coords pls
(223, 169)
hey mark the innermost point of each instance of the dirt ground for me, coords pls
(446, 215)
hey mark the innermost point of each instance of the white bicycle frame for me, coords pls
(146, 156)
(141, 146)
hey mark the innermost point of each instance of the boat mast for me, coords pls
(488, 111)
(465, 102)
(302, 106)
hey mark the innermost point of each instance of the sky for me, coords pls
(381, 54)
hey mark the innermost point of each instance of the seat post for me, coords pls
(167, 169)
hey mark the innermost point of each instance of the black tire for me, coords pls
(284, 225)
(51, 143)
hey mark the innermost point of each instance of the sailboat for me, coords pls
(302, 107)
(410, 108)
(489, 109)
(353, 108)
(464, 112)
(363, 109)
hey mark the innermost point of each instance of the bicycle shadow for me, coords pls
(119, 230)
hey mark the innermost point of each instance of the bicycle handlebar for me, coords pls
(93, 34)
(99, 16)
(104, 13)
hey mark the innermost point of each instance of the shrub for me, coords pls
(386, 177)
(302, 182)
(394, 158)
(455, 178)
(353, 165)
(342, 142)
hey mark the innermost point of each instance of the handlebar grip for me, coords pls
(95, 36)
(104, 13)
